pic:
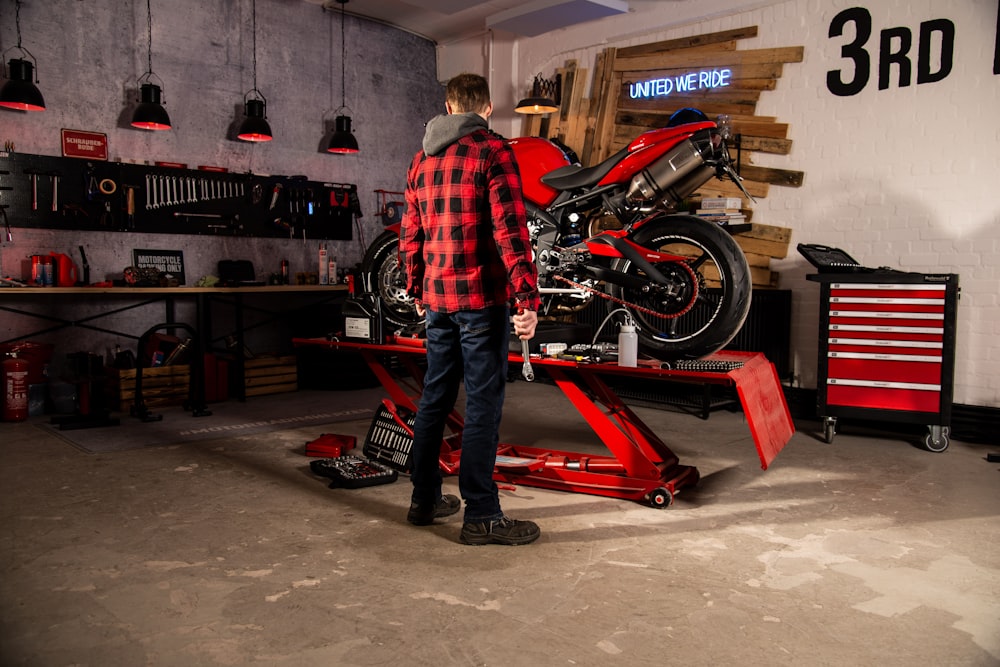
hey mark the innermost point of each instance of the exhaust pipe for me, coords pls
(681, 171)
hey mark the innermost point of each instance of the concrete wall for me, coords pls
(90, 55)
(904, 177)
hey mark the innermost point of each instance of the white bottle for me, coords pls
(324, 267)
(332, 270)
(628, 346)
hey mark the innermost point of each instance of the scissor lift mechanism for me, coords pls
(640, 467)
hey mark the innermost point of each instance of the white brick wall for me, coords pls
(903, 177)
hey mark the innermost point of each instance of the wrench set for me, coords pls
(168, 190)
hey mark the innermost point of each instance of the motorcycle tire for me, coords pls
(381, 261)
(696, 321)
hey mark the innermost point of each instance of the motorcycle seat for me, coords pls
(574, 176)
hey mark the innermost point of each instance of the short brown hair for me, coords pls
(468, 93)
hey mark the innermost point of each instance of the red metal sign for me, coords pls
(90, 145)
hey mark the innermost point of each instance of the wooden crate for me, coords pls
(164, 385)
(270, 375)
(760, 244)
(766, 240)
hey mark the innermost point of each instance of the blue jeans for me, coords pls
(469, 346)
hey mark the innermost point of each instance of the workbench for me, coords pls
(640, 467)
(102, 302)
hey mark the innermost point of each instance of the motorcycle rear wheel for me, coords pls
(381, 261)
(694, 321)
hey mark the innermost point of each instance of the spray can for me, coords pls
(332, 270)
(284, 272)
(628, 345)
(324, 267)
(48, 272)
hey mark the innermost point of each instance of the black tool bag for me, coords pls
(237, 272)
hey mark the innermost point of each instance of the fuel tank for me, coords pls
(535, 158)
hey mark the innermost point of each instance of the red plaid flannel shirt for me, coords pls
(464, 238)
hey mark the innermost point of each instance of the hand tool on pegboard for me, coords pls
(130, 205)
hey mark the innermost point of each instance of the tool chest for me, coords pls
(887, 350)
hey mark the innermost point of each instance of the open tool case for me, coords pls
(830, 260)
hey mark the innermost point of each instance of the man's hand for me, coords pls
(421, 311)
(525, 322)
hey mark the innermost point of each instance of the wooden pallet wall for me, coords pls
(597, 127)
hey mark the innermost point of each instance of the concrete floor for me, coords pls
(866, 551)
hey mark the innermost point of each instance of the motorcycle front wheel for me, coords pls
(709, 296)
(381, 262)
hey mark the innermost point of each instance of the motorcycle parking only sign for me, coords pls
(162, 261)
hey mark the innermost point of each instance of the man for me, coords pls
(464, 244)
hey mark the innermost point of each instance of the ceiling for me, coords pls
(444, 21)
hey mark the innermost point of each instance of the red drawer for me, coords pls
(845, 336)
(897, 324)
(880, 347)
(868, 367)
(887, 292)
(883, 397)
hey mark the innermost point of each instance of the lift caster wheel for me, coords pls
(661, 498)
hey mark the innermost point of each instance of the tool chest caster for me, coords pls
(936, 439)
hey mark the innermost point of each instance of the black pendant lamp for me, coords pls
(343, 141)
(254, 127)
(20, 93)
(544, 97)
(150, 114)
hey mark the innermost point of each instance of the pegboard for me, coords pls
(72, 193)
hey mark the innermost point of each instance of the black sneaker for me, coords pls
(424, 515)
(501, 531)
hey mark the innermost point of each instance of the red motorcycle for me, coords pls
(609, 232)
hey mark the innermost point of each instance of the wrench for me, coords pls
(527, 372)
(149, 202)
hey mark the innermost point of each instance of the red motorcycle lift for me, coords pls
(640, 467)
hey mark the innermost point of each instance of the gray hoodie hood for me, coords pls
(442, 131)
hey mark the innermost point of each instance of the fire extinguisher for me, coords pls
(15, 389)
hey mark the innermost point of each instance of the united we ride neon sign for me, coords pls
(683, 83)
